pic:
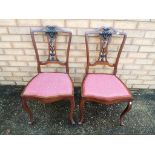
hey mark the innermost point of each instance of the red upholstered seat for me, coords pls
(49, 85)
(104, 86)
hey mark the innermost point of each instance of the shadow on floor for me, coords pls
(52, 118)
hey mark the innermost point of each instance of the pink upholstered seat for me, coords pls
(104, 86)
(49, 85)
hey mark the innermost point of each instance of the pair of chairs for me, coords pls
(49, 87)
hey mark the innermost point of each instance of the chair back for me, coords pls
(51, 33)
(105, 35)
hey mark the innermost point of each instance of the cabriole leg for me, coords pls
(127, 109)
(27, 109)
(82, 111)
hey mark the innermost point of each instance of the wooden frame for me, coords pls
(49, 99)
(85, 99)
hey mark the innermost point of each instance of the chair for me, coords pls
(100, 87)
(49, 87)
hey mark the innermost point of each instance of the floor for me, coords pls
(51, 119)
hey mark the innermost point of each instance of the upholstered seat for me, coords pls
(104, 86)
(49, 85)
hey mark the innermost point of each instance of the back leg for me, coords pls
(72, 107)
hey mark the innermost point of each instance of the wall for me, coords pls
(137, 63)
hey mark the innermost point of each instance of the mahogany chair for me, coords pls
(100, 87)
(49, 87)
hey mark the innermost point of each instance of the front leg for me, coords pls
(82, 111)
(27, 109)
(127, 109)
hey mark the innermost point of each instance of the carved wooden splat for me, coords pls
(51, 33)
(105, 37)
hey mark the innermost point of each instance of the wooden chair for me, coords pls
(104, 88)
(49, 87)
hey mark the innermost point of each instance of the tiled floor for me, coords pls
(52, 118)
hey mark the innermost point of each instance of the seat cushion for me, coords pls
(49, 85)
(104, 86)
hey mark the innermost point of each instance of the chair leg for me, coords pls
(127, 109)
(27, 109)
(72, 107)
(82, 111)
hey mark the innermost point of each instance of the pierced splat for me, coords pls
(103, 52)
(52, 50)
(51, 35)
(105, 35)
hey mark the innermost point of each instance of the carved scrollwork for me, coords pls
(51, 32)
(105, 37)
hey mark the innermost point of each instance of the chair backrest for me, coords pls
(51, 32)
(105, 35)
